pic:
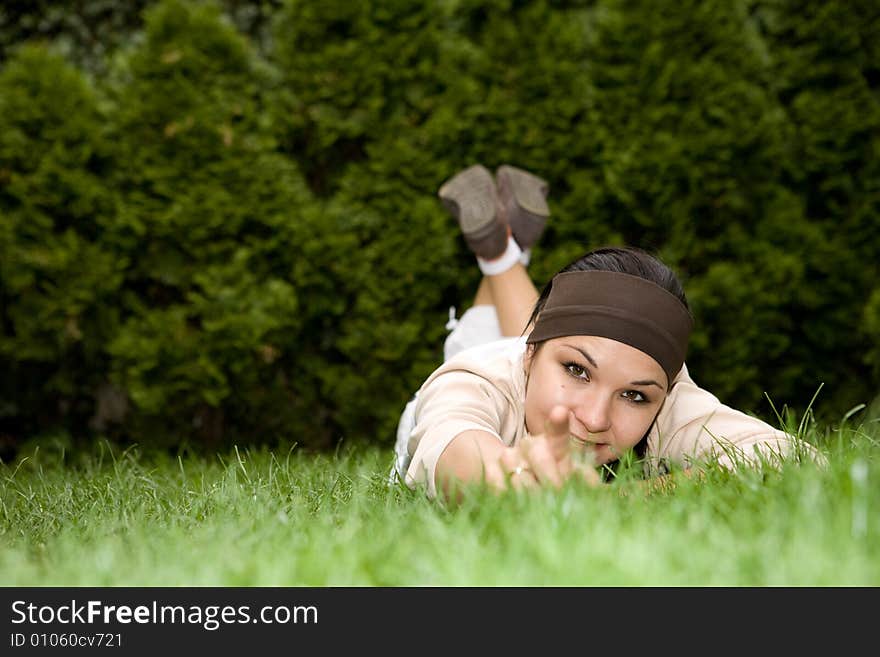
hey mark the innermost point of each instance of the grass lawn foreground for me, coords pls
(261, 517)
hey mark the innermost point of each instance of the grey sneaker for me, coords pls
(524, 198)
(471, 198)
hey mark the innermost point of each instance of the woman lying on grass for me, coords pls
(590, 370)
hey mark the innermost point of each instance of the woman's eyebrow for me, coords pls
(649, 382)
(584, 353)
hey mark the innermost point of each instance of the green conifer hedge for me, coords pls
(228, 230)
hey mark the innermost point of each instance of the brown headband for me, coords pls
(621, 307)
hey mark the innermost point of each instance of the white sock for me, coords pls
(526, 257)
(503, 262)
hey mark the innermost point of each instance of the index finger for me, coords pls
(556, 432)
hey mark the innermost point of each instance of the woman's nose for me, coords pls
(593, 411)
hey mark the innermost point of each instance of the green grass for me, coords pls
(258, 517)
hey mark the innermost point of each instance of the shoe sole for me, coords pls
(471, 198)
(526, 197)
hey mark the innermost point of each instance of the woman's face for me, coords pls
(613, 391)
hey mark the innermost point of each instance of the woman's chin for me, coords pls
(601, 453)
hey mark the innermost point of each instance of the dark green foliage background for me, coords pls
(224, 216)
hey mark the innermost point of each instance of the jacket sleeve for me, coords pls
(446, 406)
(694, 426)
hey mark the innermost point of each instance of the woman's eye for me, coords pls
(635, 396)
(577, 371)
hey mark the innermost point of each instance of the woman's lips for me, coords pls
(587, 443)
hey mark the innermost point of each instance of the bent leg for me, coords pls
(502, 307)
(484, 294)
(514, 296)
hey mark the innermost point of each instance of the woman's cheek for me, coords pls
(546, 389)
(539, 402)
(561, 396)
(635, 429)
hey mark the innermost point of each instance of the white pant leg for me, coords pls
(479, 325)
(402, 456)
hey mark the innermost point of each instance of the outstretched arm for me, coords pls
(695, 426)
(546, 459)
